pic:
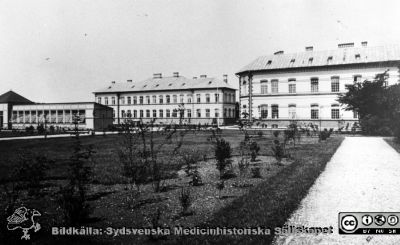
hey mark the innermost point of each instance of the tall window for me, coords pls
(292, 86)
(123, 114)
(112, 100)
(168, 113)
(244, 86)
(175, 98)
(154, 98)
(264, 111)
(154, 113)
(147, 113)
(292, 111)
(174, 113)
(168, 99)
(148, 99)
(198, 112)
(134, 100)
(189, 113)
(314, 85)
(275, 111)
(160, 113)
(216, 113)
(129, 100)
(122, 100)
(335, 84)
(207, 113)
(141, 100)
(357, 78)
(161, 99)
(314, 111)
(99, 100)
(198, 98)
(106, 100)
(207, 98)
(335, 111)
(129, 114)
(216, 97)
(189, 98)
(135, 113)
(141, 113)
(181, 98)
(355, 114)
(264, 86)
(274, 87)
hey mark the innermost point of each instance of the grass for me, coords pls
(266, 201)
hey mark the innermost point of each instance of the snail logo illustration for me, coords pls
(23, 218)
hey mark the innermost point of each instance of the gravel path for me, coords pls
(362, 176)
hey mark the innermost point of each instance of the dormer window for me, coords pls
(170, 84)
(183, 84)
(310, 60)
(157, 85)
(145, 86)
(209, 82)
(292, 62)
(269, 62)
(357, 56)
(133, 86)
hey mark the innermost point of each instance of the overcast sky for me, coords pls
(57, 51)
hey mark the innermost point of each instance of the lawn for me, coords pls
(245, 200)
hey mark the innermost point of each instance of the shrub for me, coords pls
(278, 151)
(228, 174)
(323, 135)
(243, 165)
(276, 133)
(185, 200)
(223, 153)
(40, 129)
(255, 172)
(196, 178)
(254, 149)
(30, 129)
(52, 129)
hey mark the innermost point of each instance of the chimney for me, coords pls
(364, 44)
(194, 77)
(203, 76)
(225, 76)
(157, 75)
(345, 45)
(278, 52)
(309, 48)
(112, 82)
(129, 81)
(176, 74)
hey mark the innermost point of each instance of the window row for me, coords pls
(272, 86)
(187, 113)
(53, 116)
(161, 99)
(314, 111)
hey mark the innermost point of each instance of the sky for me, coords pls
(62, 51)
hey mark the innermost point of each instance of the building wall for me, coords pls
(304, 98)
(226, 102)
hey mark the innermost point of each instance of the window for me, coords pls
(148, 99)
(292, 62)
(314, 111)
(168, 98)
(174, 113)
(355, 114)
(275, 111)
(141, 113)
(292, 111)
(314, 85)
(135, 113)
(129, 100)
(181, 98)
(216, 97)
(335, 84)
(198, 98)
(216, 112)
(189, 98)
(224, 112)
(207, 113)
(207, 98)
(174, 98)
(198, 112)
(106, 100)
(168, 113)
(99, 100)
(123, 113)
(269, 62)
(357, 78)
(147, 113)
(264, 111)
(292, 86)
(310, 60)
(154, 99)
(122, 100)
(335, 111)
(141, 100)
(264, 87)
(134, 100)
(160, 113)
(357, 56)
(274, 86)
(129, 114)
(154, 113)
(161, 99)
(113, 100)
(329, 60)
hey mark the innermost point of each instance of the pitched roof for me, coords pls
(340, 56)
(12, 97)
(165, 83)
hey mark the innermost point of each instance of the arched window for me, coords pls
(292, 111)
(264, 111)
(314, 111)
